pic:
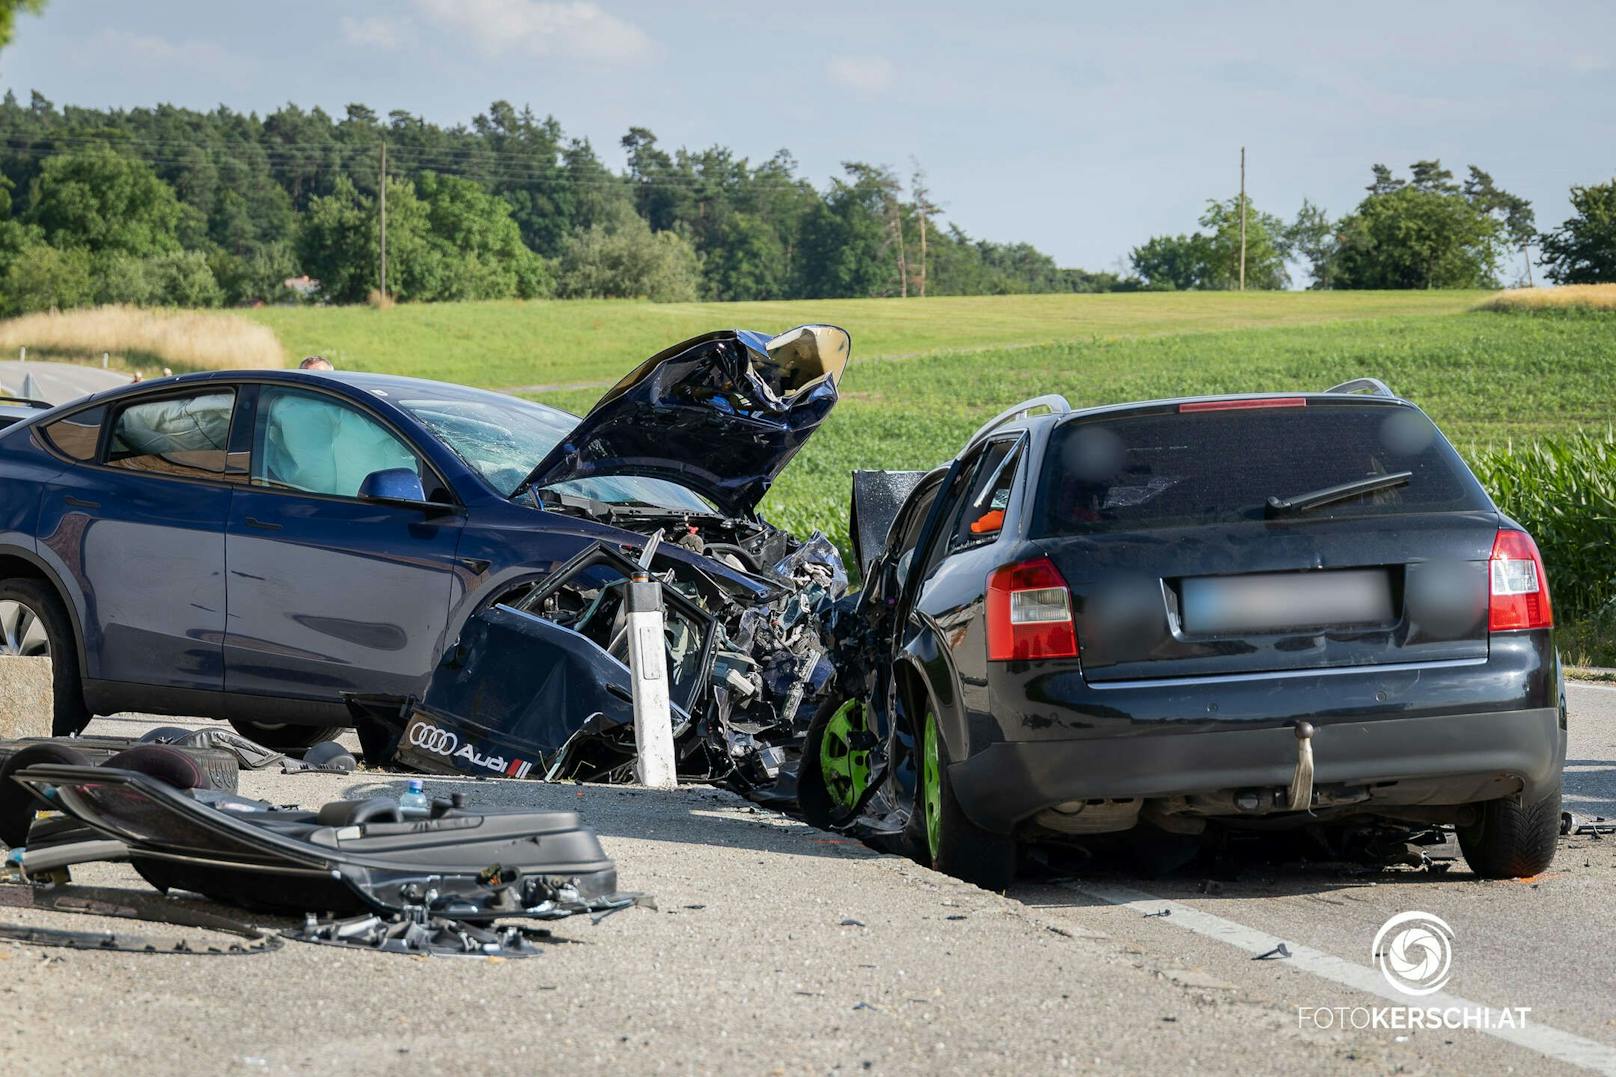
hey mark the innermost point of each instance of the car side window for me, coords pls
(980, 515)
(316, 444)
(954, 499)
(175, 435)
(78, 435)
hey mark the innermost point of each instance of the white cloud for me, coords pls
(150, 50)
(866, 74)
(374, 31)
(579, 30)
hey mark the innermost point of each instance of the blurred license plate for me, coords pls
(1266, 603)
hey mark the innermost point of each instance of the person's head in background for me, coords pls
(316, 362)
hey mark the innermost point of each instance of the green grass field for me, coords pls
(592, 342)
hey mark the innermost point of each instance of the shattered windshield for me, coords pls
(503, 438)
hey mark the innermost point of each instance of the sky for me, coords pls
(1081, 128)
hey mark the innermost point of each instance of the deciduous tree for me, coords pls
(101, 201)
(8, 16)
(1583, 249)
(1425, 233)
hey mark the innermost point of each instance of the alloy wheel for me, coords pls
(844, 769)
(22, 633)
(931, 785)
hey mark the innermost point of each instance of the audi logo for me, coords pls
(432, 739)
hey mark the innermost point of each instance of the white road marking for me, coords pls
(1543, 1039)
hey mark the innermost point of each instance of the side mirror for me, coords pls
(394, 484)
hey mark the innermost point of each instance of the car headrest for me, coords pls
(329, 755)
(17, 802)
(167, 764)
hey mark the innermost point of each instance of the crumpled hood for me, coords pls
(720, 414)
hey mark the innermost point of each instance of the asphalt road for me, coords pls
(57, 383)
(781, 949)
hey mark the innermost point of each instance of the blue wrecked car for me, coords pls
(295, 551)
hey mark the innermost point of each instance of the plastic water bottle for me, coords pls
(414, 804)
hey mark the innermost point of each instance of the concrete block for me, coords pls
(25, 697)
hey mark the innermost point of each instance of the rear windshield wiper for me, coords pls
(1329, 495)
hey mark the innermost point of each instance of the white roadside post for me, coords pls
(648, 665)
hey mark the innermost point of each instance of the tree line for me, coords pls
(171, 205)
(1429, 230)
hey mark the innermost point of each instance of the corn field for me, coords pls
(1563, 490)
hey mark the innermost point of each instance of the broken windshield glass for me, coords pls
(501, 438)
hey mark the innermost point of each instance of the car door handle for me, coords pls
(262, 525)
(81, 503)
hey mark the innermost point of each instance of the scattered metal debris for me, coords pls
(1595, 828)
(1278, 953)
(434, 936)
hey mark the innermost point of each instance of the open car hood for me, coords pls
(720, 414)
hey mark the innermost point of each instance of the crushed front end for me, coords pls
(537, 685)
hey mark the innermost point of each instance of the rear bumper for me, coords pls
(1428, 760)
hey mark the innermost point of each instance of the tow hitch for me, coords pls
(1301, 789)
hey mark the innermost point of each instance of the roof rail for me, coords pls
(1053, 403)
(1359, 385)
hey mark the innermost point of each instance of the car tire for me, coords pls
(283, 737)
(33, 622)
(952, 843)
(1511, 839)
(827, 798)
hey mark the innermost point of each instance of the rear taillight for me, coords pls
(1029, 613)
(1518, 586)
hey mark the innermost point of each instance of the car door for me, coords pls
(948, 587)
(138, 527)
(330, 592)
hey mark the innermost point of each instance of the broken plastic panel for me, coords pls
(349, 857)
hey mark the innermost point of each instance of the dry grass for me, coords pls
(1565, 297)
(183, 340)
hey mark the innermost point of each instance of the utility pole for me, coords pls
(1242, 218)
(381, 184)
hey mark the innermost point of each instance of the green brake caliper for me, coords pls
(846, 769)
